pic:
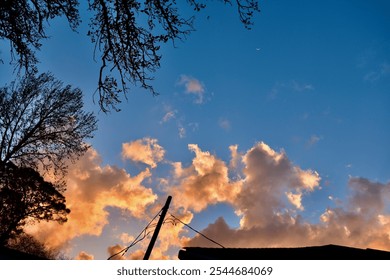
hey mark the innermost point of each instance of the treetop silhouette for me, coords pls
(43, 124)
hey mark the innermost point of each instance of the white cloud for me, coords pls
(300, 87)
(193, 86)
(292, 85)
(381, 72)
(182, 131)
(169, 113)
(314, 139)
(224, 124)
(168, 116)
(194, 126)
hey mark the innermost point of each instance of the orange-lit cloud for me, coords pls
(264, 188)
(90, 189)
(116, 252)
(362, 223)
(84, 256)
(144, 150)
(271, 181)
(205, 182)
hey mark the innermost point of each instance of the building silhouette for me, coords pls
(326, 252)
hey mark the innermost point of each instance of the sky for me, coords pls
(271, 137)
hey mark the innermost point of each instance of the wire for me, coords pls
(177, 219)
(144, 233)
(138, 239)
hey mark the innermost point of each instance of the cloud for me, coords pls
(300, 87)
(381, 72)
(224, 124)
(314, 139)
(205, 182)
(263, 187)
(84, 256)
(235, 164)
(193, 86)
(271, 180)
(292, 85)
(169, 113)
(126, 238)
(368, 197)
(362, 222)
(91, 188)
(182, 131)
(168, 116)
(144, 150)
(295, 199)
(113, 252)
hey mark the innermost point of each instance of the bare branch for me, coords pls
(45, 121)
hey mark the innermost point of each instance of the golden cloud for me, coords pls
(264, 188)
(362, 223)
(144, 150)
(91, 188)
(205, 182)
(84, 256)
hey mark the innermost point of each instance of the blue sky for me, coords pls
(311, 80)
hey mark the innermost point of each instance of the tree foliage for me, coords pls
(28, 244)
(127, 35)
(42, 127)
(26, 197)
(42, 123)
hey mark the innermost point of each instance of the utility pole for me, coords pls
(158, 227)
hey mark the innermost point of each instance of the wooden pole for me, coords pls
(158, 227)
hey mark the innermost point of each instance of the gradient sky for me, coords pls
(275, 136)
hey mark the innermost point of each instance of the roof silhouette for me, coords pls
(326, 252)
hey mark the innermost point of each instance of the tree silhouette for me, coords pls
(28, 244)
(42, 124)
(127, 35)
(26, 197)
(23, 24)
(42, 127)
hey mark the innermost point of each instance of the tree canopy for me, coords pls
(28, 244)
(42, 123)
(26, 197)
(42, 128)
(127, 35)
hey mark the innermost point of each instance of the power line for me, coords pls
(138, 239)
(144, 233)
(187, 225)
